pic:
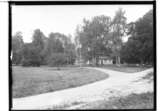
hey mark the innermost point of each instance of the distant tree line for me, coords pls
(55, 50)
(98, 37)
(102, 36)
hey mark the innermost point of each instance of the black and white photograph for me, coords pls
(82, 55)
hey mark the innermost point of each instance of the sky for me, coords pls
(65, 18)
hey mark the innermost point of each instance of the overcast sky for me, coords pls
(65, 18)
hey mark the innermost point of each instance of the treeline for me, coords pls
(55, 50)
(103, 37)
(95, 40)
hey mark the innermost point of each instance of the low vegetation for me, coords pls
(31, 81)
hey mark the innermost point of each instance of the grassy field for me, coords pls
(124, 68)
(31, 81)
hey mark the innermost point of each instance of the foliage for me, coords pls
(32, 52)
(41, 50)
(38, 44)
(57, 59)
(31, 56)
(92, 35)
(59, 43)
(139, 48)
(17, 43)
(101, 37)
(119, 28)
(97, 38)
(54, 44)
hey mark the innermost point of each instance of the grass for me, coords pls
(149, 77)
(29, 81)
(64, 106)
(124, 68)
(132, 101)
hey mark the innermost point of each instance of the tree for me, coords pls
(17, 43)
(70, 53)
(57, 59)
(69, 50)
(30, 55)
(91, 37)
(61, 44)
(38, 43)
(38, 40)
(54, 45)
(140, 43)
(118, 31)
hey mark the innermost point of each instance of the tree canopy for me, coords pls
(101, 36)
(17, 44)
(139, 48)
(42, 49)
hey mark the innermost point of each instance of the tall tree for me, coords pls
(118, 31)
(54, 44)
(60, 44)
(17, 43)
(91, 37)
(140, 44)
(37, 40)
(38, 43)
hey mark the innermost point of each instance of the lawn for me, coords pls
(29, 81)
(124, 68)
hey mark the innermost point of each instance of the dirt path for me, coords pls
(117, 84)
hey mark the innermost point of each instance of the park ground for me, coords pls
(30, 81)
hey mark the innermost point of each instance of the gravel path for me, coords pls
(117, 84)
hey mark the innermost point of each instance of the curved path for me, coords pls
(117, 84)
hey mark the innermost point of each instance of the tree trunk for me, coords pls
(94, 61)
(141, 62)
(101, 61)
(97, 61)
(118, 60)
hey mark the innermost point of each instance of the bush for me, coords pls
(16, 58)
(25, 63)
(31, 56)
(28, 62)
(57, 59)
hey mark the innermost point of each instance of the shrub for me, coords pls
(25, 62)
(31, 62)
(31, 56)
(57, 59)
